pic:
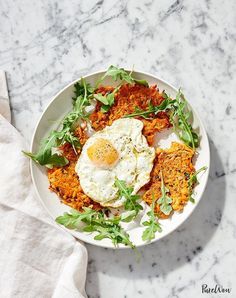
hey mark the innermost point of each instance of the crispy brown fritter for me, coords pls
(176, 165)
(127, 99)
(64, 181)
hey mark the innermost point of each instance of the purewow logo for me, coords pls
(216, 289)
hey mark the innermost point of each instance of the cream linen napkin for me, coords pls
(37, 259)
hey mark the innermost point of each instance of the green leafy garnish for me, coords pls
(95, 221)
(106, 100)
(82, 89)
(128, 216)
(45, 155)
(180, 119)
(152, 224)
(81, 100)
(116, 74)
(166, 104)
(120, 74)
(82, 95)
(73, 219)
(131, 202)
(141, 82)
(192, 181)
(164, 201)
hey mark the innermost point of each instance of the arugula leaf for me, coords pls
(180, 120)
(103, 99)
(73, 219)
(107, 100)
(192, 181)
(82, 89)
(95, 221)
(45, 156)
(83, 99)
(128, 216)
(141, 82)
(152, 225)
(180, 117)
(49, 161)
(116, 74)
(131, 200)
(166, 104)
(120, 74)
(164, 201)
(73, 140)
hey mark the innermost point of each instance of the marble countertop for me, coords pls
(45, 45)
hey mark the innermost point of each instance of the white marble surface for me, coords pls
(46, 44)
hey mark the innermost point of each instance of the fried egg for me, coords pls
(118, 151)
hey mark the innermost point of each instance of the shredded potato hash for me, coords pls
(65, 183)
(175, 163)
(126, 100)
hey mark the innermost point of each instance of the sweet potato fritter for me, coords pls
(126, 100)
(65, 183)
(176, 165)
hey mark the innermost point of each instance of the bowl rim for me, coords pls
(97, 243)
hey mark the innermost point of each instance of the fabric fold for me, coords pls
(37, 258)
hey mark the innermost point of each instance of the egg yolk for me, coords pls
(102, 153)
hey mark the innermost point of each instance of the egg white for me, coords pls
(134, 165)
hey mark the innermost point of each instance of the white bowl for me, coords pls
(60, 105)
